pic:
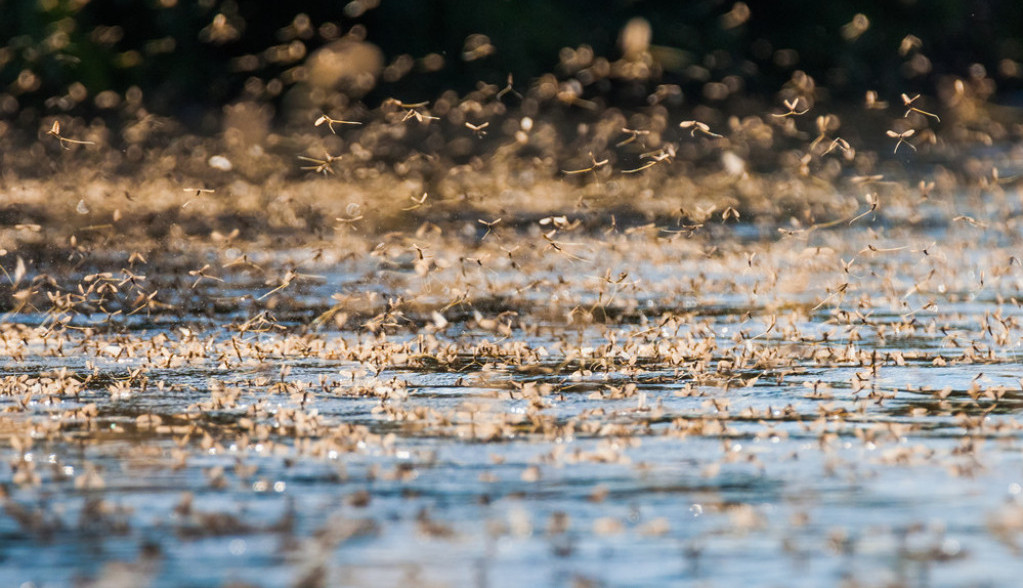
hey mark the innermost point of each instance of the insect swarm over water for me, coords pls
(501, 318)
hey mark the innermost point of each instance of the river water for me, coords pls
(758, 405)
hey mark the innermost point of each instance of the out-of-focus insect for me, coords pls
(873, 103)
(509, 90)
(478, 130)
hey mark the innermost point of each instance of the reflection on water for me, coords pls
(790, 408)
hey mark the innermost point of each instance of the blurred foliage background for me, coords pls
(189, 59)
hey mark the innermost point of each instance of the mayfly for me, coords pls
(411, 111)
(655, 157)
(908, 102)
(330, 122)
(792, 105)
(490, 226)
(478, 130)
(902, 138)
(323, 166)
(633, 135)
(64, 141)
(593, 168)
(418, 202)
(695, 125)
(509, 90)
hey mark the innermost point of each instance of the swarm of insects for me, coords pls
(519, 319)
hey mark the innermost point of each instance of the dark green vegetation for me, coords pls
(190, 58)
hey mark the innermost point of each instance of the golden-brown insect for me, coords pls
(925, 189)
(660, 156)
(559, 246)
(560, 222)
(330, 122)
(418, 202)
(285, 281)
(695, 125)
(353, 212)
(970, 220)
(323, 166)
(739, 14)
(875, 203)
(64, 141)
(902, 138)
(509, 90)
(909, 43)
(478, 130)
(866, 179)
(407, 105)
(633, 135)
(593, 168)
(853, 29)
(200, 275)
(490, 227)
(823, 124)
(792, 106)
(841, 144)
(646, 165)
(412, 110)
(419, 116)
(907, 101)
(873, 103)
